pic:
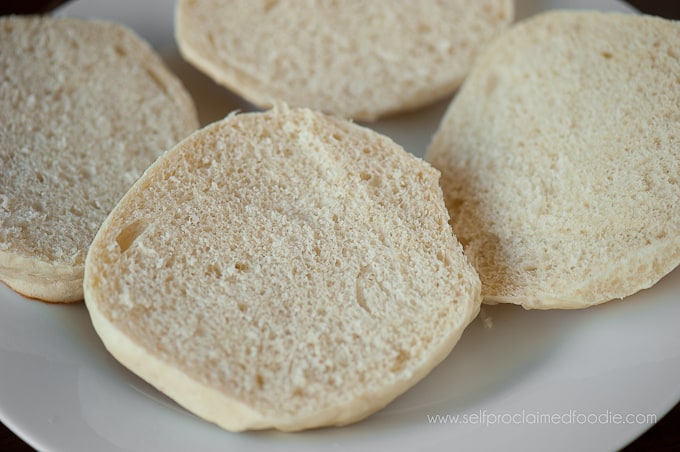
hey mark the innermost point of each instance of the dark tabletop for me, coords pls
(663, 436)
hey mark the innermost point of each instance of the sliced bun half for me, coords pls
(354, 58)
(560, 159)
(85, 108)
(282, 270)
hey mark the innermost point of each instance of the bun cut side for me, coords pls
(283, 269)
(560, 159)
(353, 58)
(85, 108)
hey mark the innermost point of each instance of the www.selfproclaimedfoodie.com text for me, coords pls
(570, 417)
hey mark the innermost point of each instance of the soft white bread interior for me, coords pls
(283, 269)
(354, 58)
(85, 108)
(560, 159)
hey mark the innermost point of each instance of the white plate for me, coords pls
(556, 380)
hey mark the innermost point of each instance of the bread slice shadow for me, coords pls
(213, 101)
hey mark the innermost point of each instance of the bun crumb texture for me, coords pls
(283, 269)
(353, 58)
(85, 108)
(560, 159)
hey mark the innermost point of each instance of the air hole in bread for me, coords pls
(607, 55)
(241, 266)
(364, 176)
(75, 211)
(400, 361)
(491, 84)
(214, 270)
(36, 206)
(424, 27)
(269, 4)
(129, 234)
(298, 392)
(211, 39)
(4, 203)
(361, 297)
(157, 80)
(120, 51)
